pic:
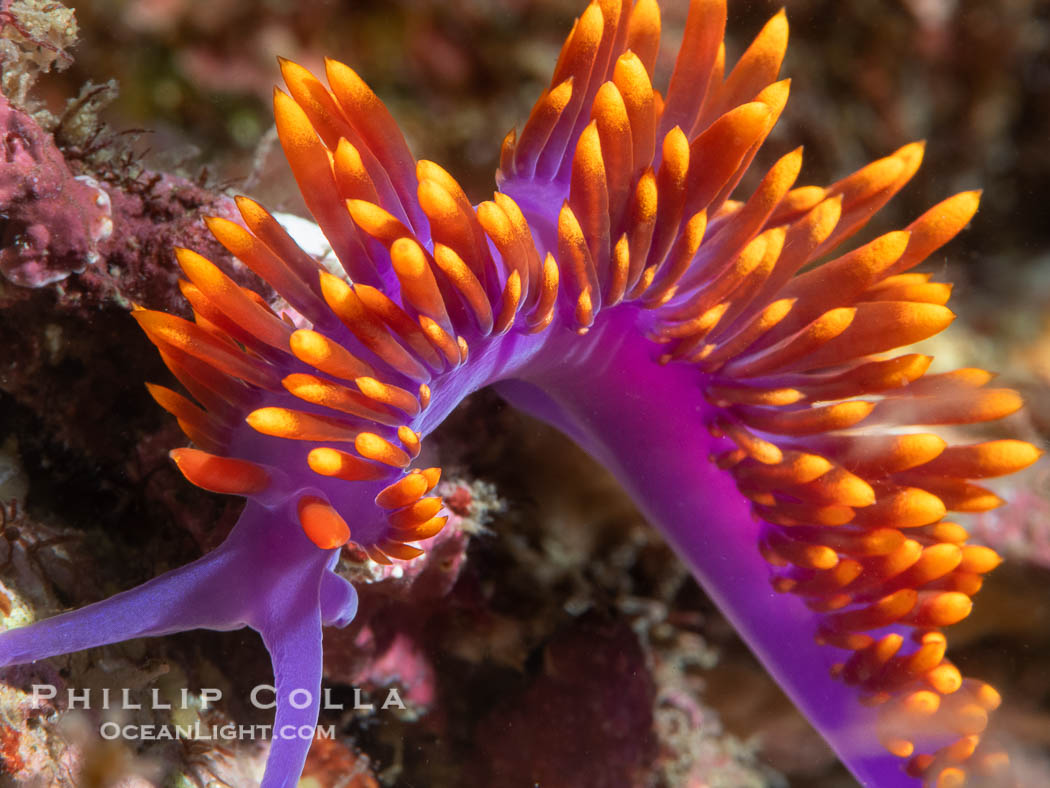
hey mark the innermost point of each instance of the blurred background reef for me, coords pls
(555, 639)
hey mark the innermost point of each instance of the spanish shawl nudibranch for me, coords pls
(747, 398)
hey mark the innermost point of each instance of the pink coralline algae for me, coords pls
(1022, 531)
(725, 359)
(52, 222)
(382, 647)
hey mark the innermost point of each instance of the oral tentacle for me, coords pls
(291, 633)
(196, 596)
(159, 607)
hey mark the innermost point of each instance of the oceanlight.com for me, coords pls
(263, 696)
(227, 732)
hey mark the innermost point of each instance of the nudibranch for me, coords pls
(725, 359)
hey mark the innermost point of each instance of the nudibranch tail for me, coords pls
(797, 368)
(734, 367)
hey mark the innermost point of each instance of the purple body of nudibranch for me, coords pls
(637, 309)
(605, 391)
